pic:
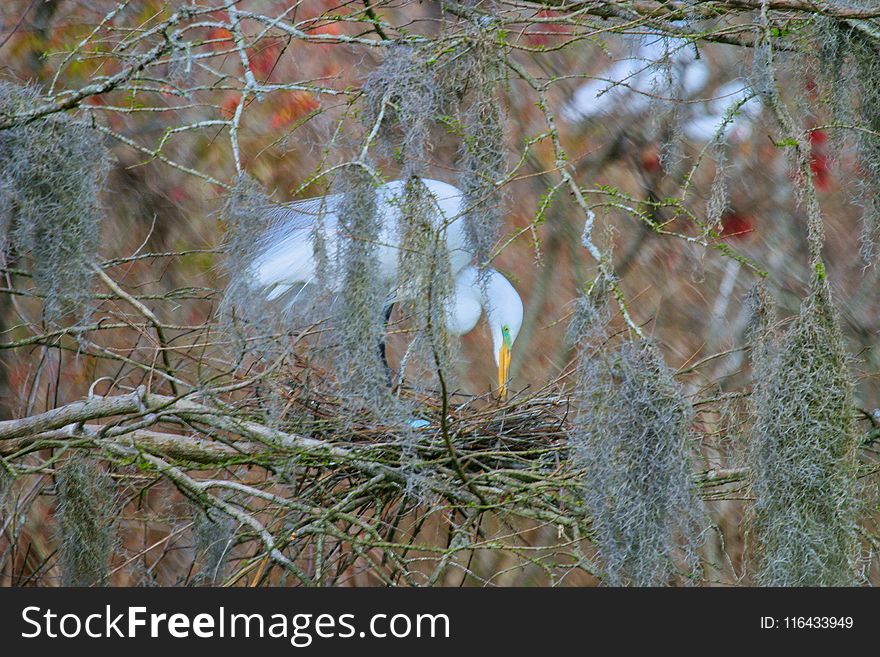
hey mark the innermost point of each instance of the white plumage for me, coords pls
(286, 256)
(502, 304)
(706, 117)
(625, 89)
(285, 261)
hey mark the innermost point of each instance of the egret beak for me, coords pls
(503, 370)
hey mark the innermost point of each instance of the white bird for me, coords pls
(625, 88)
(504, 313)
(707, 117)
(285, 262)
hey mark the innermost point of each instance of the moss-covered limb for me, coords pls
(83, 411)
(181, 448)
(71, 423)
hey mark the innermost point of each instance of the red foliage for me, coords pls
(737, 225)
(542, 34)
(820, 162)
(295, 105)
(325, 28)
(178, 194)
(812, 88)
(230, 105)
(650, 160)
(221, 36)
(264, 57)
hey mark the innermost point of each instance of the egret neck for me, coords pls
(504, 310)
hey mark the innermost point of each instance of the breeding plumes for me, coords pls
(286, 265)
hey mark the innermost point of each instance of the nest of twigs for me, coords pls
(291, 472)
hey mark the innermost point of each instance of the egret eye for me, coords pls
(505, 335)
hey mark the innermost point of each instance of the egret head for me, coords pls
(505, 314)
(493, 293)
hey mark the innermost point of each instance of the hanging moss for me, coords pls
(246, 214)
(718, 200)
(407, 87)
(248, 319)
(424, 267)
(847, 67)
(87, 510)
(359, 321)
(482, 154)
(630, 438)
(52, 173)
(406, 93)
(867, 56)
(760, 331)
(803, 455)
(214, 535)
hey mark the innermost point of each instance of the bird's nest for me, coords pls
(299, 471)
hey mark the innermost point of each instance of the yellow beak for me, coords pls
(503, 371)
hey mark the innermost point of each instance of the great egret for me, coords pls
(285, 262)
(707, 117)
(625, 89)
(504, 313)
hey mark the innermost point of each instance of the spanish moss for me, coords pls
(803, 455)
(52, 172)
(631, 439)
